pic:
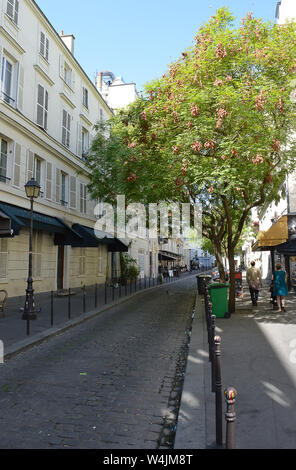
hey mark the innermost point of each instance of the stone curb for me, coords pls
(191, 426)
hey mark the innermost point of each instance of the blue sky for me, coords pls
(138, 39)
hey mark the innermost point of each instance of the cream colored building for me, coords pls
(48, 107)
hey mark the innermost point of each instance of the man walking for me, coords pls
(254, 280)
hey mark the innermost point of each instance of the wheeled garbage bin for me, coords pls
(202, 281)
(219, 299)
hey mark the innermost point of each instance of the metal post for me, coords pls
(230, 395)
(218, 383)
(113, 290)
(120, 290)
(105, 292)
(51, 308)
(212, 349)
(69, 303)
(29, 309)
(96, 295)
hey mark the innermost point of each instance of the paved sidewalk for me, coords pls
(13, 330)
(259, 360)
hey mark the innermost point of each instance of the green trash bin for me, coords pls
(219, 299)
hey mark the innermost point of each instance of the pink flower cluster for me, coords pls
(260, 101)
(176, 150)
(258, 159)
(194, 110)
(218, 82)
(132, 145)
(276, 145)
(175, 116)
(222, 113)
(132, 177)
(196, 146)
(210, 144)
(220, 51)
(143, 115)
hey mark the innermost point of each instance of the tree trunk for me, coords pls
(231, 303)
(219, 258)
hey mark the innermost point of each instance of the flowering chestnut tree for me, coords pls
(220, 123)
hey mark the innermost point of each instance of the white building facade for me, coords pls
(48, 107)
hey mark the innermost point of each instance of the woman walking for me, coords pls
(280, 290)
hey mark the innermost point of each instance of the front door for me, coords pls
(60, 270)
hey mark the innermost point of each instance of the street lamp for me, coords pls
(32, 192)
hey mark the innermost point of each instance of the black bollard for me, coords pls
(230, 415)
(218, 390)
(212, 351)
(105, 292)
(51, 308)
(83, 296)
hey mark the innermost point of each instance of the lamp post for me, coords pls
(32, 192)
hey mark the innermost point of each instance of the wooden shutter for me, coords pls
(40, 106)
(79, 140)
(16, 11)
(29, 165)
(62, 65)
(17, 165)
(58, 185)
(48, 180)
(73, 202)
(42, 43)
(21, 81)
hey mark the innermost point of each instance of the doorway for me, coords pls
(60, 268)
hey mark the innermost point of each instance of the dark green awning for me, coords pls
(288, 248)
(93, 238)
(20, 218)
(5, 226)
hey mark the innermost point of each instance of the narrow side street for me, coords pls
(111, 382)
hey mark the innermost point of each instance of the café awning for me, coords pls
(5, 226)
(93, 238)
(19, 218)
(166, 256)
(276, 235)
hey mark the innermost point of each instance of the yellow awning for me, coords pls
(277, 234)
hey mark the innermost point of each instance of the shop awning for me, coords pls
(20, 218)
(288, 248)
(276, 235)
(93, 238)
(5, 226)
(166, 256)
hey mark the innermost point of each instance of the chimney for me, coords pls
(99, 80)
(68, 39)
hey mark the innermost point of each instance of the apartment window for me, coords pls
(85, 97)
(42, 107)
(82, 198)
(7, 80)
(84, 142)
(64, 198)
(3, 258)
(44, 45)
(66, 128)
(37, 253)
(67, 74)
(3, 161)
(12, 10)
(81, 261)
(38, 167)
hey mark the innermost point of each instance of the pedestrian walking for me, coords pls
(254, 280)
(280, 290)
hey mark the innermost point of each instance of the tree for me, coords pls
(219, 123)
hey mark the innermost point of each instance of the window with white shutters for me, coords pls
(73, 192)
(29, 165)
(85, 97)
(48, 186)
(17, 165)
(3, 258)
(21, 82)
(82, 198)
(37, 253)
(66, 122)
(84, 142)
(3, 160)
(44, 45)
(8, 80)
(12, 10)
(42, 106)
(64, 191)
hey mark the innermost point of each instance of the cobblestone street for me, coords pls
(112, 382)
